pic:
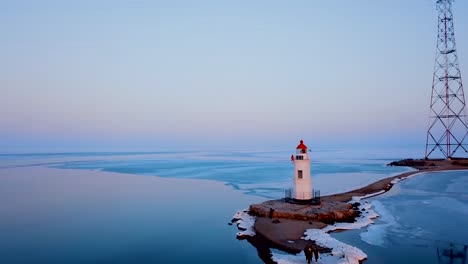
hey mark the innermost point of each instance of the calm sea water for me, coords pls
(70, 208)
(74, 216)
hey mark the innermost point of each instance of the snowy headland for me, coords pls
(290, 227)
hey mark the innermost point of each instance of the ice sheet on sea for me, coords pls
(326, 183)
(375, 234)
(449, 204)
(271, 190)
(245, 222)
(390, 227)
(280, 184)
(457, 184)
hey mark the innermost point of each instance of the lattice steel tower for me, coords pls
(447, 119)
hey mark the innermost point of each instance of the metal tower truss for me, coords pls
(447, 119)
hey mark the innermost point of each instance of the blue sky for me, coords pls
(149, 75)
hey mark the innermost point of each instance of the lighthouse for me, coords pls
(302, 179)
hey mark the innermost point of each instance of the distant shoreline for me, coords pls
(287, 232)
(421, 166)
(387, 183)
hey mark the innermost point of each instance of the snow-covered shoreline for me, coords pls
(245, 223)
(341, 253)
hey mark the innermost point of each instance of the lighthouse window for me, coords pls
(299, 174)
(299, 157)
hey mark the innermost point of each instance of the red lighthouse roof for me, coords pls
(301, 145)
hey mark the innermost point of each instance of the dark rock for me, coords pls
(328, 212)
(408, 163)
(327, 218)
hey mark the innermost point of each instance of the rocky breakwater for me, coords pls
(327, 212)
(283, 224)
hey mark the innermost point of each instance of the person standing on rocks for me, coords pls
(308, 251)
(316, 254)
(271, 213)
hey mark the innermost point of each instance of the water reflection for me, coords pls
(76, 216)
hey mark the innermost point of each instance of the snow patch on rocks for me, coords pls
(245, 223)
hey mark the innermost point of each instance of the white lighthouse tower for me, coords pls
(302, 179)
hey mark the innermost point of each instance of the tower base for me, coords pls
(312, 201)
(289, 198)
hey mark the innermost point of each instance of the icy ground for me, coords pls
(341, 253)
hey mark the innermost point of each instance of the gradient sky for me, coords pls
(151, 75)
